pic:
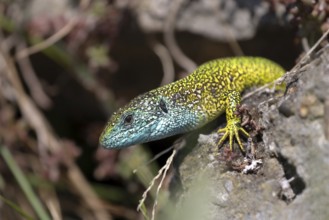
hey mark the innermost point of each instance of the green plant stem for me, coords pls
(16, 208)
(24, 184)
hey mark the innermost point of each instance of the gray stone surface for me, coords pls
(224, 19)
(293, 182)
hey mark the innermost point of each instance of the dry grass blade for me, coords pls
(54, 38)
(166, 61)
(162, 172)
(48, 42)
(169, 37)
(37, 92)
(48, 142)
(166, 168)
(16, 208)
(24, 184)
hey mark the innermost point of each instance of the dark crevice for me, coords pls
(297, 183)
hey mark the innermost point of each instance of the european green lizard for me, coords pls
(191, 102)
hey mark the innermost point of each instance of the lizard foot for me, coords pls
(232, 129)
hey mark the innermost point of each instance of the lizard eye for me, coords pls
(163, 106)
(128, 119)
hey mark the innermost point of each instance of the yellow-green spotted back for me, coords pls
(189, 103)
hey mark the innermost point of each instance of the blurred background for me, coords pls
(66, 65)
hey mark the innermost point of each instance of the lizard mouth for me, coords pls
(102, 143)
(103, 146)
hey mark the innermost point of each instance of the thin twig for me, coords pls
(167, 166)
(48, 42)
(154, 158)
(169, 37)
(121, 211)
(55, 37)
(144, 196)
(32, 81)
(164, 170)
(292, 72)
(166, 61)
(52, 203)
(261, 88)
(305, 44)
(53, 209)
(47, 139)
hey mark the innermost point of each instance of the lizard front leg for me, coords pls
(233, 99)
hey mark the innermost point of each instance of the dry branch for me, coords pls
(47, 140)
(169, 37)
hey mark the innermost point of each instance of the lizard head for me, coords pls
(147, 117)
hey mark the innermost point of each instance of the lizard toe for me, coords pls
(232, 130)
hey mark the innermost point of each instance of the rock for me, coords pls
(225, 19)
(293, 182)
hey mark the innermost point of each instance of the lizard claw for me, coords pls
(232, 129)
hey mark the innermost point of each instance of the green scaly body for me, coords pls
(189, 103)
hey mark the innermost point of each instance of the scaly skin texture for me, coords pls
(191, 102)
